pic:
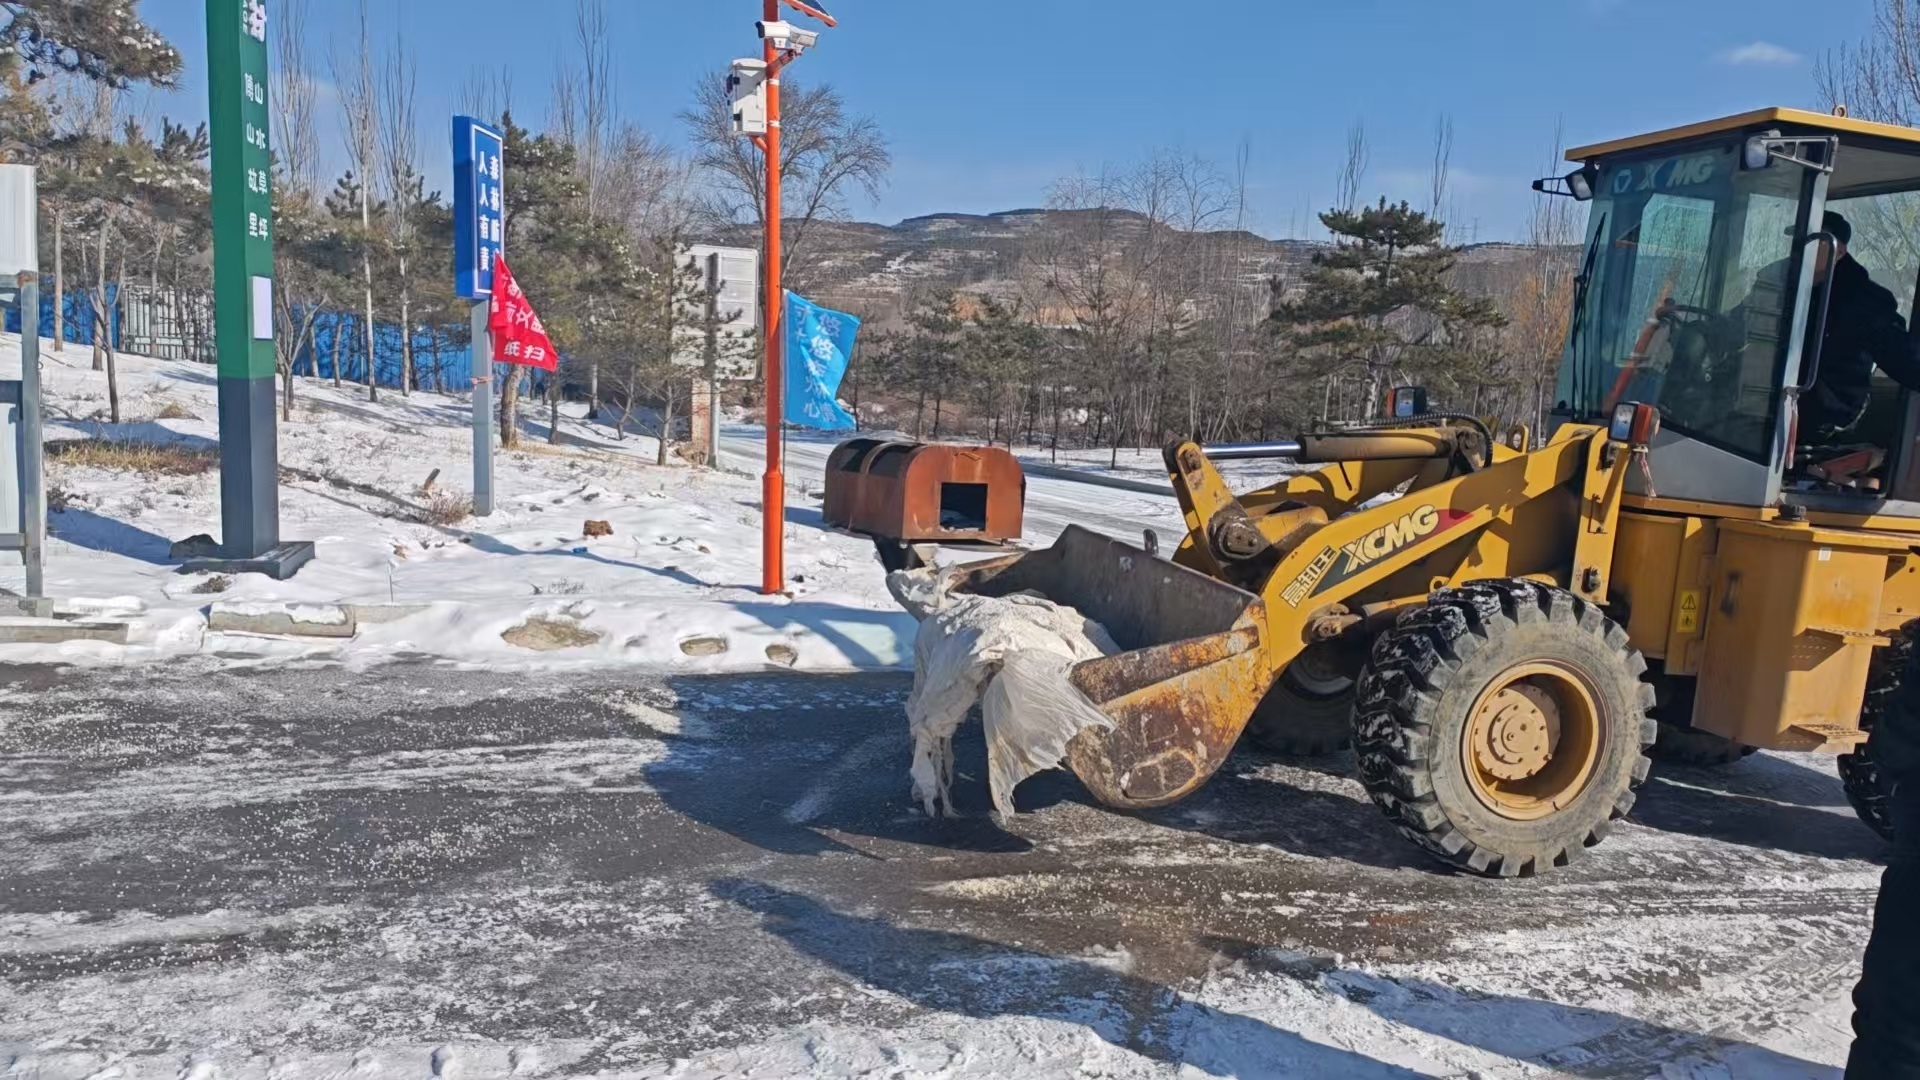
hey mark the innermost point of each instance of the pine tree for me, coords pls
(998, 350)
(543, 178)
(1380, 302)
(929, 356)
(26, 124)
(103, 40)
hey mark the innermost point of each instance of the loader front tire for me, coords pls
(1309, 710)
(1504, 726)
(1860, 772)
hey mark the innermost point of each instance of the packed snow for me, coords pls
(290, 875)
(674, 586)
(419, 871)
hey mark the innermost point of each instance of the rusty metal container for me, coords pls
(925, 492)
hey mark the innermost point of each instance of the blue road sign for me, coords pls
(479, 205)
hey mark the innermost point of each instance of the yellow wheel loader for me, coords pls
(1507, 627)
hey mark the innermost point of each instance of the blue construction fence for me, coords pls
(440, 360)
(76, 313)
(441, 355)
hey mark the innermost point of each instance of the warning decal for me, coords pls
(1687, 618)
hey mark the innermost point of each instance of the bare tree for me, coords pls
(1353, 170)
(1878, 78)
(826, 153)
(400, 187)
(488, 92)
(296, 142)
(583, 110)
(1540, 308)
(1118, 259)
(1440, 181)
(296, 139)
(359, 112)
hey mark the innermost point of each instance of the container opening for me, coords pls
(963, 507)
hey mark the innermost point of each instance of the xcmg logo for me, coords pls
(1390, 538)
(1328, 568)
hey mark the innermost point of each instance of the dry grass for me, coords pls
(173, 410)
(128, 455)
(445, 508)
(218, 583)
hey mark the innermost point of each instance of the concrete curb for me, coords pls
(378, 614)
(305, 620)
(282, 620)
(22, 630)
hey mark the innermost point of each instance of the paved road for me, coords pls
(254, 865)
(1051, 506)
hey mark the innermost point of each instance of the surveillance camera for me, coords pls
(785, 35)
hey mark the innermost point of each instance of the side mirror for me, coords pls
(1577, 185)
(1634, 423)
(1406, 401)
(1808, 152)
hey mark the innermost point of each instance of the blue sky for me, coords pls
(986, 102)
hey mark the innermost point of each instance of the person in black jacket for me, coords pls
(1864, 331)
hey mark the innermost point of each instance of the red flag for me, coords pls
(518, 337)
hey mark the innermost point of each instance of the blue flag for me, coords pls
(818, 344)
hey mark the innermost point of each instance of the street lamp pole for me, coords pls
(773, 489)
(780, 44)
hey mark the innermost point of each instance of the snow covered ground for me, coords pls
(682, 562)
(601, 861)
(418, 872)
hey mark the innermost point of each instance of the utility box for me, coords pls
(19, 221)
(23, 496)
(906, 493)
(747, 89)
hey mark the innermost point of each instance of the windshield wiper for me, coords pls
(1581, 284)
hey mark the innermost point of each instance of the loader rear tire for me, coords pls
(1504, 726)
(1309, 710)
(1866, 785)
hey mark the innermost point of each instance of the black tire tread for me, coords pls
(1291, 723)
(1859, 772)
(1412, 663)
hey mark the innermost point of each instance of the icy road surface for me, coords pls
(432, 873)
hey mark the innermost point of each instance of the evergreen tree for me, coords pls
(929, 355)
(103, 40)
(999, 349)
(1381, 304)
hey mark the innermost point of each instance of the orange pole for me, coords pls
(773, 491)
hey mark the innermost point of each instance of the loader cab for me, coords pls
(1696, 291)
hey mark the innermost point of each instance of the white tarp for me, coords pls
(1010, 654)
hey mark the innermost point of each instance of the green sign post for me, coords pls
(243, 293)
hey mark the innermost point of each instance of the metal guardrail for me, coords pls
(1056, 472)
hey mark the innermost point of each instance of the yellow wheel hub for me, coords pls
(1533, 739)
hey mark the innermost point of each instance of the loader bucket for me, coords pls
(1189, 677)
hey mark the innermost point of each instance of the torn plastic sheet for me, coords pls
(1013, 656)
